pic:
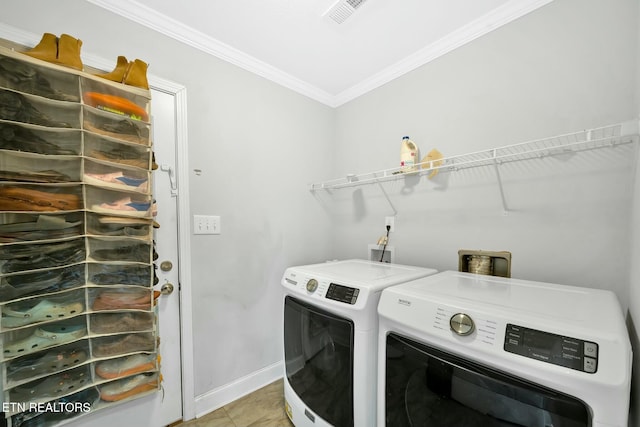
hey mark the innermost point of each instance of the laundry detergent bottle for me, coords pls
(408, 155)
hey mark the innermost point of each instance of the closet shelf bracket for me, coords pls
(496, 164)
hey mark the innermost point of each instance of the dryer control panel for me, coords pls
(569, 352)
(343, 293)
(321, 288)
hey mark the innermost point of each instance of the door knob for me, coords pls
(166, 289)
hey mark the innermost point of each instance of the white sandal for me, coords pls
(45, 337)
(44, 310)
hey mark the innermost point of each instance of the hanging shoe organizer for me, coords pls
(79, 321)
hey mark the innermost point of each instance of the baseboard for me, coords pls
(227, 393)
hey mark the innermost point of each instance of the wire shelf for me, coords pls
(597, 138)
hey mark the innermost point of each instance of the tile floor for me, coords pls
(262, 408)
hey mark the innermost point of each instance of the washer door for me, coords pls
(428, 387)
(318, 354)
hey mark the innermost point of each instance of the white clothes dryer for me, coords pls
(459, 349)
(330, 339)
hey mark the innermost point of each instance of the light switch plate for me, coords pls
(206, 224)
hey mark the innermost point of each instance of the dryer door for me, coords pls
(428, 387)
(318, 354)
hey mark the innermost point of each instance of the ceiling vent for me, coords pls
(342, 10)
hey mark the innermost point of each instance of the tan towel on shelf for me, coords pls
(433, 156)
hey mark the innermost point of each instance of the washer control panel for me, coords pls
(551, 348)
(343, 293)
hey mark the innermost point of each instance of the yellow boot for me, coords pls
(117, 75)
(136, 74)
(46, 50)
(69, 52)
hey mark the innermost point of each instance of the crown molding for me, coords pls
(168, 26)
(500, 16)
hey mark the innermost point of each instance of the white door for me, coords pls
(164, 407)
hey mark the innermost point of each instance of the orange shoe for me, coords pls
(128, 387)
(125, 366)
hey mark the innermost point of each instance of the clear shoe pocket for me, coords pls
(33, 139)
(42, 309)
(121, 298)
(118, 203)
(121, 344)
(107, 150)
(23, 341)
(40, 198)
(117, 127)
(130, 250)
(46, 362)
(130, 387)
(56, 385)
(31, 78)
(36, 256)
(115, 323)
(23, 227)
(24, 108)
(118, 274)
(120, 178)
(126, 366)
(105, 97)
(33, 168)
(107, 225)
(22, 285)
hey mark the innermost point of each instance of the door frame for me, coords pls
(179, 92)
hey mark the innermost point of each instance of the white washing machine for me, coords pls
(458, 349)
(330, 339)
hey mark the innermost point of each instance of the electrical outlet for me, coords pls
(206, 224)
(390, 221)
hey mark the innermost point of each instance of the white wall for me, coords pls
(567, 66)
(257, 144)
(259, 147)
(550, 72)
